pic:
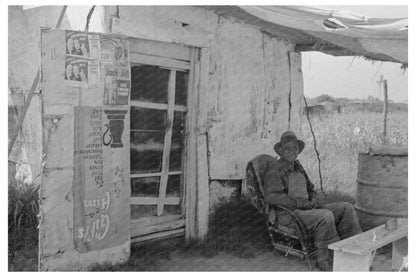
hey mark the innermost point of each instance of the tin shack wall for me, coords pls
(254, 87)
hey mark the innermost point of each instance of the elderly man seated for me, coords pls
(292, 188)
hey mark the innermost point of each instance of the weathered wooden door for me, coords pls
(158, 108)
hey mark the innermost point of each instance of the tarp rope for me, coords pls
(22, 115)
(314, 144)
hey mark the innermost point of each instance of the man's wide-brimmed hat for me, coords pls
(286, 137)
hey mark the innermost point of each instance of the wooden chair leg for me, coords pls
(308, 261)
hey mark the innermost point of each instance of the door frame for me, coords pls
(195, 166)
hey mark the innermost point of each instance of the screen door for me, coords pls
(157, 147)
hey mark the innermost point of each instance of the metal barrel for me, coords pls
(381, 185)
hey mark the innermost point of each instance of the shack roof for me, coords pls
(339, 33)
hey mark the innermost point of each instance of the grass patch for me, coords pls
(23, 209)
(340, 138)
(146, 257)
(236, 228)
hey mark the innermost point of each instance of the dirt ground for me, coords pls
(267, 261)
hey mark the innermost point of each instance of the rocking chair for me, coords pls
(296, 241)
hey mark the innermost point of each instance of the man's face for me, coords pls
(290, 151)
(70, 43)
(69, 69)
(76, 70)
(76, 44)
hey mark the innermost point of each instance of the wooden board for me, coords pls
(167, 142)
(160, 235)
(155, 201)
(153, 220)
(146, 230)
(202, 145)
(350, 262)
(160, 49)
(159, 61)
(157, 106)
(191, 160)
(363, 243)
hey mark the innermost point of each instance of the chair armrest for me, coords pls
(299, 222)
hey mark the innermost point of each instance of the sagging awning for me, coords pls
(339, 33)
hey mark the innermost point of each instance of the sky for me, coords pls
(354, 77)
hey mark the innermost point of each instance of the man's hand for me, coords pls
(304, 204)
(316, 203)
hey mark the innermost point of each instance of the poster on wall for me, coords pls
(92, 61)
(101, 185)
(114, 51)
(82, 44)
(116, 85)
(80, 72)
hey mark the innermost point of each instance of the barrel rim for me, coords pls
(374, 212)
(380, 186)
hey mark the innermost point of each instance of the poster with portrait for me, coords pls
(82, 45)
(114, 50)
(80, 72)
(117, 85)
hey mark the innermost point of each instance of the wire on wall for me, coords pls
(314, 144)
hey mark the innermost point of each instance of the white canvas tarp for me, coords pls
(375, 38)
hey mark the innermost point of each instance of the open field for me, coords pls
(340, 137)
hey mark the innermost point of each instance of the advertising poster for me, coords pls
(80, 72)
(117, 85)
(101, 185)
(83, 45)
(114, 51)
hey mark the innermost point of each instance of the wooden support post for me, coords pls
(31, 93)
(399, 253)
(344, 261)
(385, 112)
(191, 160)
(202, 180)
(24, 111)
(380, 87)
